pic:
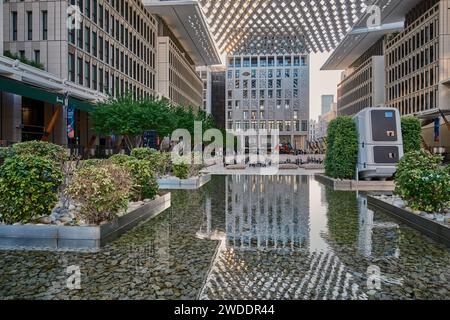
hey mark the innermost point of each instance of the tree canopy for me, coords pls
(130, 118)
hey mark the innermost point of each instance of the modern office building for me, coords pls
(363, 82)
(414, 74)
(324, 121)
(313, 130)
(177, 79)
(204, 72)
(103, 46)
(327, 101)
(266, 92)
(214, 79)
(94, 48)
(218, 97)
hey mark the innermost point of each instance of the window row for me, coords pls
(99, 77)
(263, 94)
(43, 33)
(418, 82)
(103, 16)
(427, 100)
(281, 125)
(270, 73)
(267, 61)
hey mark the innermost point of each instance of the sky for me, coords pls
(321, 83)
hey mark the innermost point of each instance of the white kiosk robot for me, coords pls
(380, 142)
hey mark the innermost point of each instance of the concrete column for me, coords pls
(58, 135)
(2, 27)
(11, 117)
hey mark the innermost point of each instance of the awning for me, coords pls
(29, 91)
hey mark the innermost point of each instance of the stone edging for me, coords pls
(353, 185)
(433, 229)
(184, 184)
(78, 238)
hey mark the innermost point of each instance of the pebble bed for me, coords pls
(171, 257)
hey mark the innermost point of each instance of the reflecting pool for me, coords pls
(246, 237)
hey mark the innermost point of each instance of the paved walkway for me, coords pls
(219, 169)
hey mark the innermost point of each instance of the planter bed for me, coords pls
(439, 231)
(91, 238)
(173, 183)
(353, 185)
(312, 166)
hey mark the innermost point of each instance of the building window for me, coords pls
(80, 71)
(100, 48)
(94, 44)
(94, 11)
(100, 79)
(29, 25)
(44, 25)
(80, 36)
(37, 56)
(14, 25)
(304, 125)
(87, 8)
(87, 39)
(100, 16)
(94, 77)
(87, 74)
(71, 67)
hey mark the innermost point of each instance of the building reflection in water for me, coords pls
(289, 237)
(267, 212)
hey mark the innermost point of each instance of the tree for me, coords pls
(342, 151)
(411, 132)
(129, 118)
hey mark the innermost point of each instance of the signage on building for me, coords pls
(70, 121)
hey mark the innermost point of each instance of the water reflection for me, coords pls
(267, 213)
(289, 237)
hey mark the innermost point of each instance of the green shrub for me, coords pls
(28, 188)
(342, 149)
(93, 162)
(144, 185)
(411, 132)
(102, 191)
(161, 163)
(143, 153)
(15, 56)
(422, 183)
(181, 170)
(120, 159)
(41, 149)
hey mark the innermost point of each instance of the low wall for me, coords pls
(184, 184)
(435, 230)
(50, 237)
(353, 185)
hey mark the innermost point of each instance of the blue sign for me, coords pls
(71, 121)
(389, 114)
(437, 129)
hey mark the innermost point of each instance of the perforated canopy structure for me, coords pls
(207, 28)
(283, 26)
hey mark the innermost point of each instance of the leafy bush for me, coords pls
(101, 190)
(411, 132)
(181, 170)
(28, 188)
(422, 183)
(44, 149)
(143, 153)
(92, 162)
(120, 159)
(15, 56)
(144, 184)
(161, 163)
(342, 150)
(5, 153)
